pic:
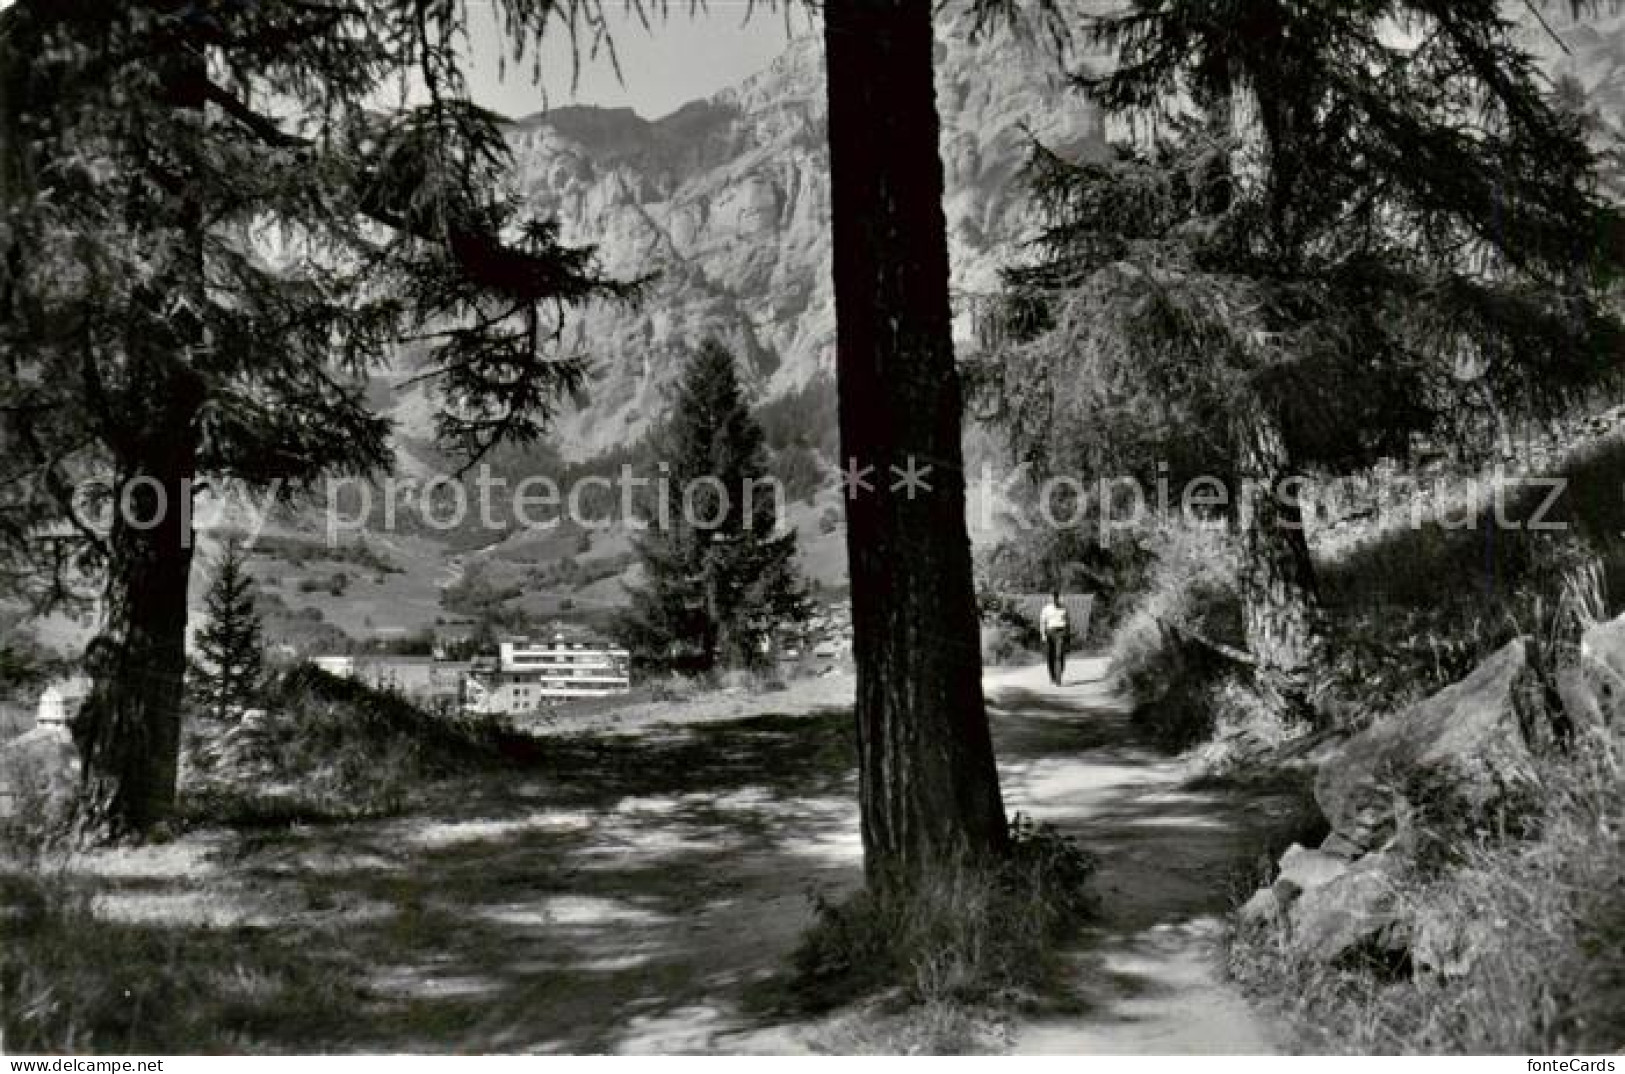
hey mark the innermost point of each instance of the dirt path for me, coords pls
(632, 892)
(1149, 971)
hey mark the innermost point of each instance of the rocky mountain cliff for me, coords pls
(1590, 50)
(726, 202)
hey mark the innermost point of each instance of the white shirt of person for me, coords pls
(1052, 618)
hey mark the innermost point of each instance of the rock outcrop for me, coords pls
(726, 203)
(1304, 870)
(1457, 765)
(1446, 944)
(1457, 761)
(1356, 914)
(1262, 909)
(1332, 909)
(1594, 693)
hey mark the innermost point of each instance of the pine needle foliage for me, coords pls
(720, 565)
(218, 221)
(1366, 220)
(231, 645)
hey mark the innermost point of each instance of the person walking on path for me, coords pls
(1057, 631)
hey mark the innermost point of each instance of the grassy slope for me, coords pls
(1415, 608)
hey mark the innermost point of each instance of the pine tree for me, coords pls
(1331, 237)
(230, 645)
(720, 576)
(210, 234)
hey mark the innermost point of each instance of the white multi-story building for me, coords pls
(527, 676)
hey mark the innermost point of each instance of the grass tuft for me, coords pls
(328, 748)
(1173, 677)
(967, 937)
(1545, 923)
(73, 983)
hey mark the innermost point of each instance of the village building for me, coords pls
(521, 677)
(419, 678)
(526, 677)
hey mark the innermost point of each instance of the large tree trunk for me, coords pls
(1281, 610)
(128, 732)
(929, 789)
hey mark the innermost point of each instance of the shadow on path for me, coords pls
(622, 895)
(1173, 859)
(625, 893)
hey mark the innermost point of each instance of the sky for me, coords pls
(683, 59)
(680, 60)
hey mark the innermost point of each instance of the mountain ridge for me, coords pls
(725, 201)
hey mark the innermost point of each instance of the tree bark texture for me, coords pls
(929, 787)
(128, 732)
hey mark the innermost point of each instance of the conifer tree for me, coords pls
(1340, 224)
(719, 574)
(230, 646)
(928, 787)
(213, 228)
